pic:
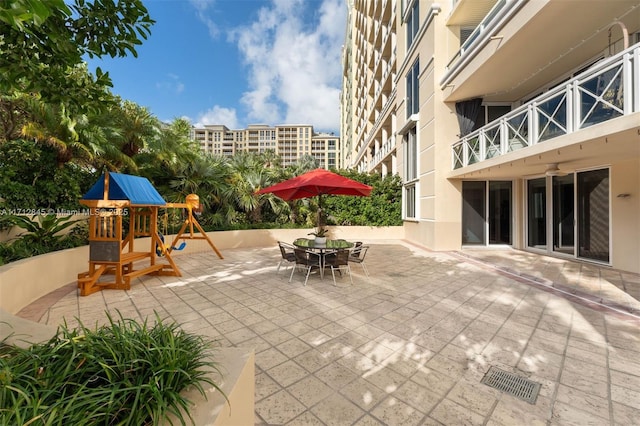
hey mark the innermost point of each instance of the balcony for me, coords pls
(514, 27)
(385, 149)
(608, 90)
(500, 11)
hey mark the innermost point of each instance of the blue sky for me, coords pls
(238, 62)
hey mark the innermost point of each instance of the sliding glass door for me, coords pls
(537, 213)
(593, 215)
(570, 214)
(486, 212)
(563, 214)
(473, 212)
(499, 213)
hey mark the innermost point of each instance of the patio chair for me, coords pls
(357, 255)
(306, 260)
(339, 260)
(288, 256)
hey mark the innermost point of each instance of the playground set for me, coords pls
(113, 201)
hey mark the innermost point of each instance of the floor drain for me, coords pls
(512, 384)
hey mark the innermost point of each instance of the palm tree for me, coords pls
(97, 131)
(13, 114)
(248, 176)
(166, 154)
(305, 163)
(271, 159)
(51, 125)
(208, 177)
(138, 126)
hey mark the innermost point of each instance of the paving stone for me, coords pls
(582, 401)
(449, 413)
(564, 414)
(337, 410)
(310, 390)
(287, 373)
(474, 396)
(408, 346)
(393, 411)
(279, 408)
(265, 386)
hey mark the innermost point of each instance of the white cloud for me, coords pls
(202, 7)
(172, 85)
(219, 115)
(293, 56)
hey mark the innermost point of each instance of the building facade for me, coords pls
(513, 122)
(368, 98)
(290, 142)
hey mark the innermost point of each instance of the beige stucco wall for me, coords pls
(24, 281)
(15, 232)
(437, 225)
(237, 383)
(625, 215)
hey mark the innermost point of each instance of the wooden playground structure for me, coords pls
(116, 255)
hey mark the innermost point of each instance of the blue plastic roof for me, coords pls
(136, 189)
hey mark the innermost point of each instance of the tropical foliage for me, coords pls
(61, 128)
(123, 373)
(43, 42)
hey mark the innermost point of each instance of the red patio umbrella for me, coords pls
(317, 182)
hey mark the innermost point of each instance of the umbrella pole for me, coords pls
(319, 221)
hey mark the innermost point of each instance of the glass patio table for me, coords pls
(310, 244)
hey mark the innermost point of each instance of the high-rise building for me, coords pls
(513, 123)
(368, 98)
(290, 142)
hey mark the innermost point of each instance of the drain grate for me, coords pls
(512, 384)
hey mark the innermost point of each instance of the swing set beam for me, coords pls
(190, 222)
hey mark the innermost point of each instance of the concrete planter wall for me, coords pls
(237, 366)
(237, 383)
(26, 280)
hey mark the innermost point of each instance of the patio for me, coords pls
(410, 346)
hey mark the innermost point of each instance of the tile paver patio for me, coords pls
(409, 346)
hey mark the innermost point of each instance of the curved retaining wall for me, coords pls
(25, 281)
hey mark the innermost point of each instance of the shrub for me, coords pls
(44, 234)
(121, 373)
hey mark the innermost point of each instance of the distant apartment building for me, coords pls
(513, 123)
(290, 142)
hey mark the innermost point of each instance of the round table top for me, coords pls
(330, 244)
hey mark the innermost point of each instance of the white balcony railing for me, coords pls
(609, 89)
(500, 13)
(382, 153)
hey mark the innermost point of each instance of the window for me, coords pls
(413, 23)
(489, 113)
(410, 172)
(410, 201)
(411, 148)
(413, 100)
(486, 212)
(465, 33)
